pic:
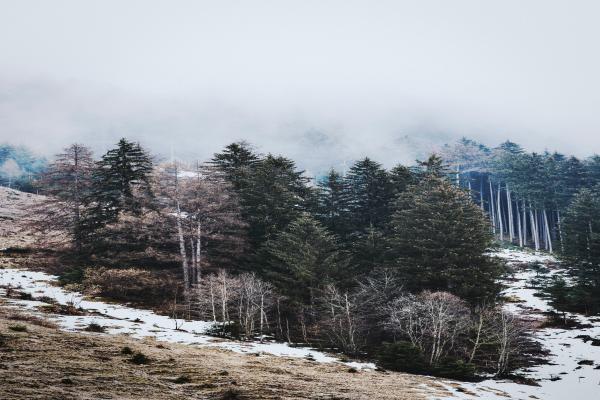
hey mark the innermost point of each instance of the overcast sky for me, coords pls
(324, 81)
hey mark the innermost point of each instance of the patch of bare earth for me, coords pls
(38, 361)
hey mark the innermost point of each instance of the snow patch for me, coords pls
(139, 323)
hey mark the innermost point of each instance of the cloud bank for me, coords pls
(324, 82)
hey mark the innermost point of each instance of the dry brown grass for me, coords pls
(45, 363)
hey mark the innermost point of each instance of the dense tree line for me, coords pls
(261, 249)
(546, 201)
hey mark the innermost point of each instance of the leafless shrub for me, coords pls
(341, 318)
(432, 321)
(244, 299)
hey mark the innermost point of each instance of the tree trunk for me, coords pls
(524, 212)
(548, 238)
(199, 253)
(519, 224)
(560, 233)
(499, 211)
(492, 211)
(534, 228)
(481, 193)
(183, 254)
(511, 228)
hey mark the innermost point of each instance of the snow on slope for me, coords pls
(139, 323)
(581, 381)
(564, 377)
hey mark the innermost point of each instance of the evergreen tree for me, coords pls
(582, 243)
(371, 193)
(121, 185)
(333, 203)
(592, 171)
(439, 241)
(400, 178)
(433, 166)
(277, 194)
(302, 258)
(237, 162)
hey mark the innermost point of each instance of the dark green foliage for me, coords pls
(400, 178)
(271, 191)
(303, 257)
(401, 356)
(237, 162)
(439, 241)
(433, 167)
(277, 195)
(231, 330)
(405, 357)
(25, 296)
(94, 327)
(140, 358)
(369, 249)
(126, 350)
(560, 294)
(371, 192)
(582, 247)
(182, 379)
(456, 369)
(333, 203)
(72, 274)
(121, 183)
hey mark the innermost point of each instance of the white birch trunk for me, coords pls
(492, 211)
(548, 237)
(511, 227)
(524, 223)
(481, 193)
(534, 229)
(499, 212)
(519, 228)
(199, 253)
(560, 233)
(182, 253)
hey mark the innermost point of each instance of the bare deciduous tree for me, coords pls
(342, 320)
(228, 299)
(432, 321)
(206, 213)
(66, 183)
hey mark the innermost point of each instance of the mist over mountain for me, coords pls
(324, 82)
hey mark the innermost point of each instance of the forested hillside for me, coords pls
(391, 265)
(545, 201)
(19, 167)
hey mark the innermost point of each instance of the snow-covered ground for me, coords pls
(138, 323)
(576, 381)
(563, 378)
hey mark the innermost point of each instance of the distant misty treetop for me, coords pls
(19, 166)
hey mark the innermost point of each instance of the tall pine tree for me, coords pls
(439, 241)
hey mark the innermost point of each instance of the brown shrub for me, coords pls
(32, 319)
(131, 284)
